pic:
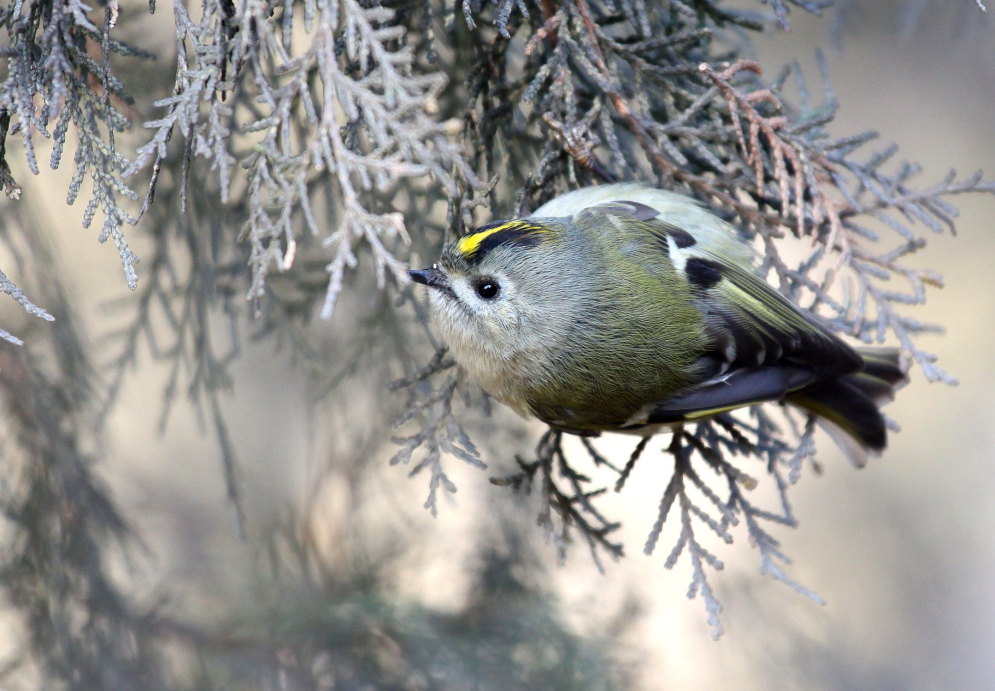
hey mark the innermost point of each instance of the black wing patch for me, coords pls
(741, 387)
(703, 273)
(682, 238)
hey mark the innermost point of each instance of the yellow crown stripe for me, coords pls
(471, 243)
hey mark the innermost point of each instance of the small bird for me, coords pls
(630, 309)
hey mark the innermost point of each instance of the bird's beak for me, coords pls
(433, 278)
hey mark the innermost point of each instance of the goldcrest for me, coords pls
(626, 308)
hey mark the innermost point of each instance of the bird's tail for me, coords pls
(847, 406)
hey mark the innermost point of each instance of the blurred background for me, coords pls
(337, 541)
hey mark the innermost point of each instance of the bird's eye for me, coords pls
(488, 289)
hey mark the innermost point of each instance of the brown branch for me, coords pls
(652, 150)
(572, 141)
(547, 30)
(783, 152)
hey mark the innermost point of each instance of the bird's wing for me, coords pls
(760, 346)
(751, 324)
(678, 210)
(735, 389)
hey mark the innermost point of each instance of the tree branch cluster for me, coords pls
(329, 134)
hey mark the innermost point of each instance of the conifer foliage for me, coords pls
(283, 160)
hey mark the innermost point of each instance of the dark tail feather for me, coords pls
(849, 404)
(883, 374)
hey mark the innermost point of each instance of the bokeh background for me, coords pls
(902, 550)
